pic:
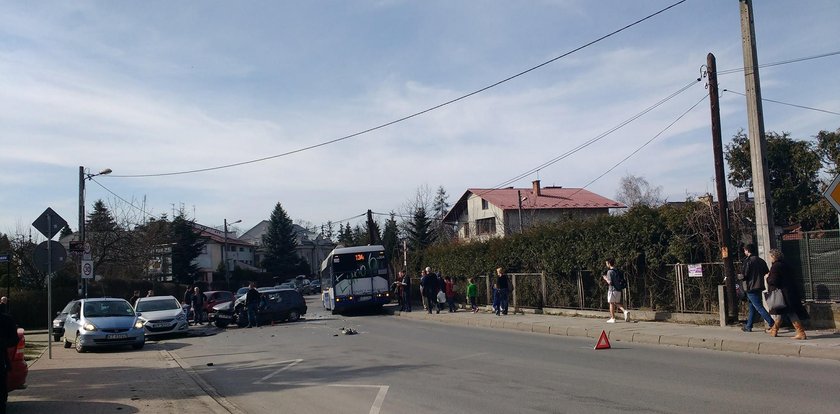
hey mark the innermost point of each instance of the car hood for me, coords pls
(161, 314)
(223, 306)
(113, 322)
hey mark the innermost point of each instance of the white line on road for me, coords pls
(290, 362)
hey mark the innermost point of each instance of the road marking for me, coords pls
(290, 362)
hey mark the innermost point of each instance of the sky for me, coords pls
(152, 88)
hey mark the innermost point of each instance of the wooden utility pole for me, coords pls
(724, 233)
(764, 223)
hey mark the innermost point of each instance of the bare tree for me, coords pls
(635, 191)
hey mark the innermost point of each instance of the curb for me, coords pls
(708, 343)
(216, 402)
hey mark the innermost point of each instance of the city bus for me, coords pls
(355, 277)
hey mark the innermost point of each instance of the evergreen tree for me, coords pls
(391, 240)
(441, 203)
(420, 235)
(280, 244)
(345, 236)
(186, 247)
(100, 219)
(65, 232)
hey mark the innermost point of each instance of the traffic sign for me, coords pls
(49, 223)
(5, 257)
(87, 269)
(832, 193)
(59, 256)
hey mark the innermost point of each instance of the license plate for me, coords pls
(222, 316)
(116, 336)
(363, 298)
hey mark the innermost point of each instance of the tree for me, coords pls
(345, 235)
(186, 247)
(391, 240)
(828, 148)
(420, 236)
(792, 168)
(66, 231)
(440, 206)
(636, 191)
(280, 244)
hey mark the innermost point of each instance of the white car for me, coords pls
(161, 315)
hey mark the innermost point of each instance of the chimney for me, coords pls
(536, 188)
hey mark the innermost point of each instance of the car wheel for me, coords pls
(56, 337)
(242, 320)
(67, 343)
(294, 316)
(78, 344)
(222, 324)
(139, 346)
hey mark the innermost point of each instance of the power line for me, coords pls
(784, 62)
(788, 104)
(416, 114)
(642, 146)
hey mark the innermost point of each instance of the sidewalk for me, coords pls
(823, 344)
(120, 380)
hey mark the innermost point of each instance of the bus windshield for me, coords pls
(358, 265)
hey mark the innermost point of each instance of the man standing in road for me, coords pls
(429, 285)
(197, 302)
(405, 291)
(252, 303)
(752, 274)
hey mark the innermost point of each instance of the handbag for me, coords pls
(441, 297)
(775, 301)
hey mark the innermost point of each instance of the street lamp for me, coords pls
(224, 253)
(82, 177)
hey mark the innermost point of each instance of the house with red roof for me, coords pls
(484, 213)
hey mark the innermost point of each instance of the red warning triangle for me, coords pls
(603, 341)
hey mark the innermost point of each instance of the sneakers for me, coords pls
(611, 320)
(626, 316)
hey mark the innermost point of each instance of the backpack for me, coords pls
(617, 280)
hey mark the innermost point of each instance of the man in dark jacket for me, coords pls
(252, 303)
(430, 289)
(197, 303)
(752, 275)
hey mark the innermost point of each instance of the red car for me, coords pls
(16, 379)
(215, 297)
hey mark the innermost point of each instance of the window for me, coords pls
(485, 226)
(467, 229)
(484, 204)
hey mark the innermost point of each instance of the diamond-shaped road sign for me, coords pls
(832, 193)
(49, 223)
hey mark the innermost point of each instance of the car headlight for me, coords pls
(89, 327)
(56, 324)
(138, 324)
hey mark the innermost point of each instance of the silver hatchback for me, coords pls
(103, 322)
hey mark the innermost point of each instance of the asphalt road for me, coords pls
(397, 366)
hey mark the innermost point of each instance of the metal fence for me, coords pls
(815, 258)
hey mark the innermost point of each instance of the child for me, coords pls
(472, 295)
(496, 298)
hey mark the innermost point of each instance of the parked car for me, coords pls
(58, 322)
(103, 322)
(161, 315)
(315, 284)
(16, 377)
(277, 304)
(215, 297)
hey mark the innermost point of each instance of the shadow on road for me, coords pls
(41, 407)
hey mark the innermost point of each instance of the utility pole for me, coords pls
(724, 235)
(373, 237)
(82, 224)
(764, 222)
(519, 201)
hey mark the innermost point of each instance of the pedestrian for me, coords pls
(441, 288)
(504, 287)
(396, 290)
(406, 290)
(134, 297)
(752, 273)
(252, 303)
(423, 298)
(472, 295)
(197, 302)
(187, 303)
(449, 290)
(613, 293)
(8, 338)
(430, 289)
(4, 304)
(496, 298)
(150, 293)
(781, 277)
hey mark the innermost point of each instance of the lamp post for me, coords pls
(224, 253)
(82, 177)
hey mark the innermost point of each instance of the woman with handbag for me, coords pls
(780, 280)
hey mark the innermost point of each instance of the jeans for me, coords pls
(433, 303)
(407, 300)
(756, 305)
(252, 314)
(451, 303)
(503, 300)
(473, 304)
